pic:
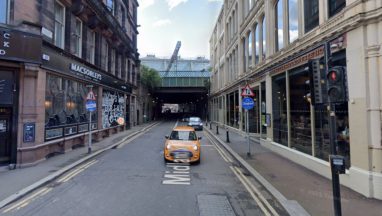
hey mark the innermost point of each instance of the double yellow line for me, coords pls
(255, 193)
(28, 200)
(264, 205)
(41, 192)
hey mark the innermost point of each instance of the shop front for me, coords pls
(296, 122)
(65, 121)
(13, 64)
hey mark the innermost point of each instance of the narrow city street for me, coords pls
(133, 179)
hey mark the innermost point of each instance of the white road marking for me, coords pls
(222, 153)
(178, 175)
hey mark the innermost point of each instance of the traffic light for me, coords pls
(336, 84)
(316, 82)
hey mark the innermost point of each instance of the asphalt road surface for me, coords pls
(133, 179)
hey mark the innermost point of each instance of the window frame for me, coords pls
(60, 44)
(78, 37)
(92, 47)
(333, 11)
(6, 12)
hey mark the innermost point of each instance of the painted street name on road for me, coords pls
(177, 174)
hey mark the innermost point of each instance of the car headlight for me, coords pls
(195, 147)
(201, 124)
(168, 146)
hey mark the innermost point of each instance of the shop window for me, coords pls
(64, 102)
(279, 105)
(311, 14)
(293, 20)
(301, 134)
(59, 24)
(77, 38)
(4, 11)
(263, 110)
(336, 6)
(279, 30)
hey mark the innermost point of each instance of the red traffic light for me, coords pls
(333, 76)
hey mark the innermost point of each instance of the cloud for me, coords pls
(145, 3)
(173, 3)
(162, 22)
(215, 0)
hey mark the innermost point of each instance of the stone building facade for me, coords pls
(269, 44)
(53, 53)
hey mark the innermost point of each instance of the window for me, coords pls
(77, 38)
(293, 20)
(91, 47)
(264, 47)
(106, 59)
(110, 6)
(59, 25)
(336, 6)
(250, 49)
(257, 44)
(112, 62)
(311, 16)
(279, 109)
(279, 30)
(4, 11)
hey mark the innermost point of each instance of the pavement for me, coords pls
(17, 183)
(299, 190)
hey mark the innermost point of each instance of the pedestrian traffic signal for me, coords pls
(336, 84)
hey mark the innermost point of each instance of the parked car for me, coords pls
(182, 145)
(196, 123)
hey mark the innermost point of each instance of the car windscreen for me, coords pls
(195, 119)
(183, 135)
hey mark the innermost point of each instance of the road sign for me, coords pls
(247, 92)
(90, 96)
(91, 105)
(248, 103)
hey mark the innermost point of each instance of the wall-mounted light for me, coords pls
(48, 104)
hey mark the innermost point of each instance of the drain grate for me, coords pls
(214, 205)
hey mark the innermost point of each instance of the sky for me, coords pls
(164, 22)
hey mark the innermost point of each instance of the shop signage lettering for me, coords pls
(5, 43)
(85, 71)
(319, 52)
(12, 41)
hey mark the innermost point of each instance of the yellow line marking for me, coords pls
(220, 150)
(76, 171)
(257, 192)
(129, 140)
(250, 192)
(27, 200)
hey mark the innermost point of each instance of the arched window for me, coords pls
(293, 20)
(279, 35)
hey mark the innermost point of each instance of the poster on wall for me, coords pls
(113, 107)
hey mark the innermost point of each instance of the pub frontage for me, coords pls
(42, 100)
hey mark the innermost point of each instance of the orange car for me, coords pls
(182, 145)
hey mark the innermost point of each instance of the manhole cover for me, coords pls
(214, 205)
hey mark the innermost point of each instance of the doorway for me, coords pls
(5, 135)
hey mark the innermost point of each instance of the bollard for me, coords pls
(227, 137)
(217, 129)
(210, 126)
